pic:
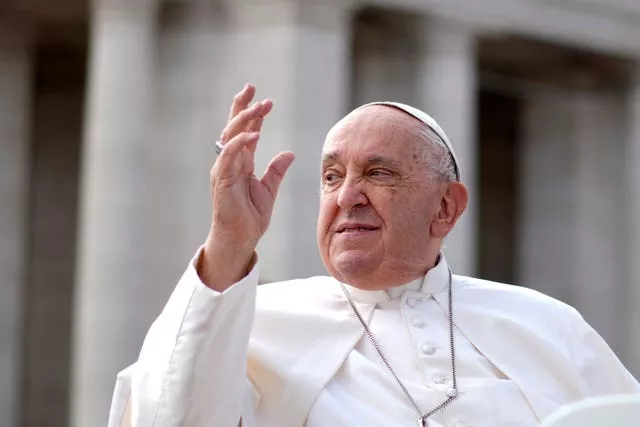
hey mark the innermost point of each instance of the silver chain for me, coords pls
(452, 394)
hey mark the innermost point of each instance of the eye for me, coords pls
(380, 173)
(330, 177)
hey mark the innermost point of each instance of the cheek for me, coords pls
(409, 218)
(384, 201)
(326, 215)
(392, 205)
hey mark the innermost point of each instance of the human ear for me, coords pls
(452, 204)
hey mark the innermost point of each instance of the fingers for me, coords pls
(248, 120)
(276, 170)
(229, 155)
(255, 125)
(241, 100)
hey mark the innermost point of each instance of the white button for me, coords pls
(417, 322)
(429, 348)
(413, 301)
(439, 379)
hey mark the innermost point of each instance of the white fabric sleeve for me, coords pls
(192, 367)
(598, 365)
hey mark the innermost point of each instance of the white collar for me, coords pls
(433, 282)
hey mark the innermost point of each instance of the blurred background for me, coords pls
(109, 111)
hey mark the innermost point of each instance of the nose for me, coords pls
(351, 194)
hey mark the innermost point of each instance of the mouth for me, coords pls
(355, 228)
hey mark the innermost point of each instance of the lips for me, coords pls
(355, 227)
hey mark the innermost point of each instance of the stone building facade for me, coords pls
(109, 110)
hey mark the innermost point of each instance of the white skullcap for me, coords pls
(427, 120)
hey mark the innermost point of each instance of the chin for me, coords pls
(351, 267)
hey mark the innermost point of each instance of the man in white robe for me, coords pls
(225, 352)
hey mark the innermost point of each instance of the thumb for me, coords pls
(276, 170)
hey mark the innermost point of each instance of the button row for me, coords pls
(414, 301)
(439, 379)
(429, 348)
(418, 323)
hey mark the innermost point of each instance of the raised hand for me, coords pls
(242, 203)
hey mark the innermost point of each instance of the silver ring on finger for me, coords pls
(219, 147)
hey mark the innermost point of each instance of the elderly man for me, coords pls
(392, 338)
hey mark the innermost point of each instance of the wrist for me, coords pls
(220, 266)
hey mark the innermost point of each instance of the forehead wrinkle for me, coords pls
(330, 157)
(401, 130)
(376, 159)
(381, 160)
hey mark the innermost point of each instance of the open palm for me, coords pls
(242, 203)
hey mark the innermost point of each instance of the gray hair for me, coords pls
(437, 156)
(444, 164)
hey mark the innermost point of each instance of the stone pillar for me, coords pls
(190, 41)
(384, 55)
(119, 265)
(56, 138)
(296, 53)
(447, 90)
(15, 110)
(597, 146)
(632, 223)
(571, 238)
(546, 236)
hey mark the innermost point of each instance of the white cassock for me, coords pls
(293, 354)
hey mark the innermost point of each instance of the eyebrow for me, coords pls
(373, 160)
(329, 158)
(383, 161)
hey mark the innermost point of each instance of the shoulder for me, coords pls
(529, 319)
(525, 315)
(502, 293)
(302, 295)
(506, 299)
(296, 311)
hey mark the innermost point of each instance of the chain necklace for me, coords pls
(452, 393)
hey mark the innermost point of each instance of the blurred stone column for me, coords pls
(597, 147)
(116, 280)
(15, 112)
(296, 53)
(447, 90)
(190, 40)
(571, 198)
(384, 53)
(632, 223)
(546, 235)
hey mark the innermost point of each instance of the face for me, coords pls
(383, 214)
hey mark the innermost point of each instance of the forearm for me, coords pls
(219, 266)
(191, 370)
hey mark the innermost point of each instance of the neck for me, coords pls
(386, 278)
